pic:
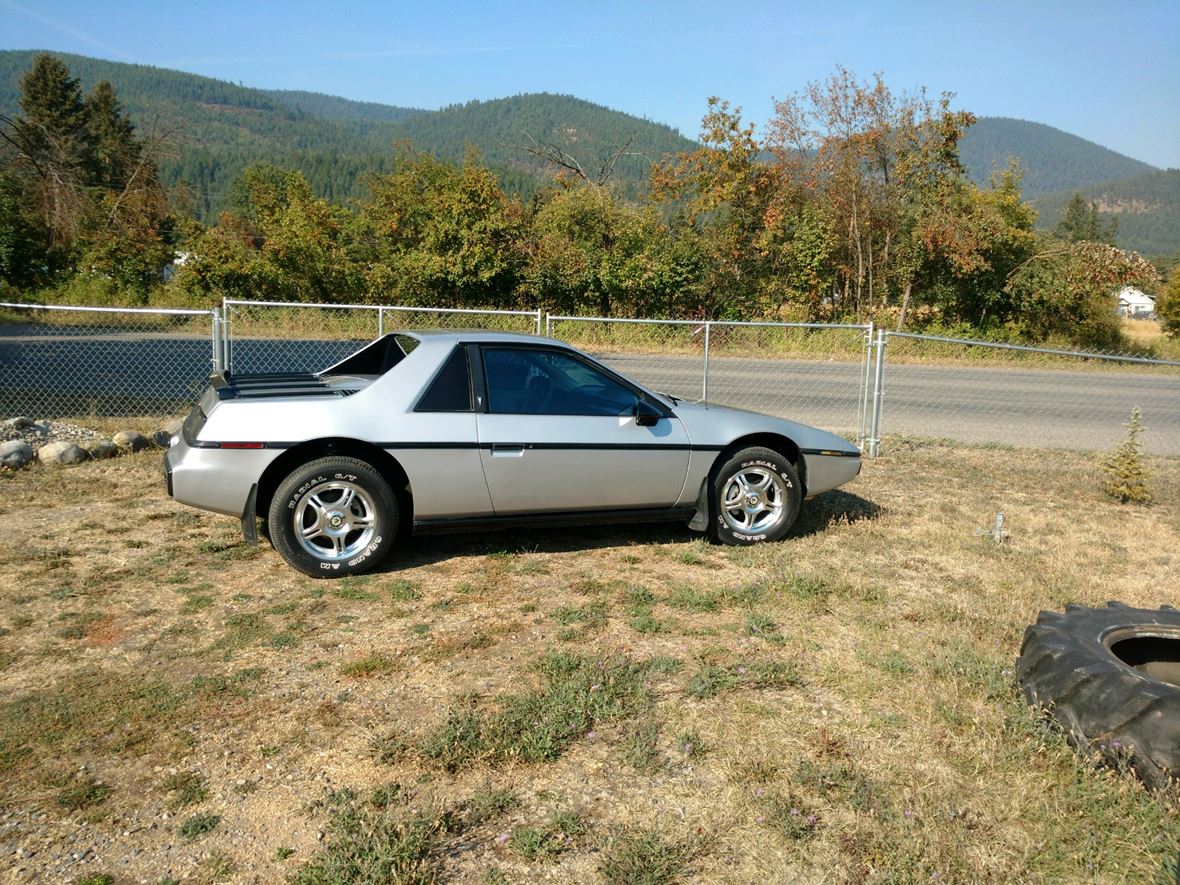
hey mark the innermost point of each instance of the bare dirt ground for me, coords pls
(622, 705)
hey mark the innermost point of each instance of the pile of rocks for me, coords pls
(57, 442)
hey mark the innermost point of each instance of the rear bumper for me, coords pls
(214, 479)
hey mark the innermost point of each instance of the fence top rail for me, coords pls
(702, 323)
(1030, 349)
(532, 314)
(157, 311)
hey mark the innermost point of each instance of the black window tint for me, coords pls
(546, 382)
(451, 389)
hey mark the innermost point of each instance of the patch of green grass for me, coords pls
(198, 825)
(402, 590)
(346, 588)
(744, 597)
(489, 803)
(538, 725)
(591, 617)
(550, 841)
(806, 588)
(283, 852)
(644, 857)
(82, 793)
(763, 626)
(187, 788)
(640, 745)
(97, 879)
(711, 680)
(790, 816)
(420, 630)
(694, 599)
(196, 603)
(367, 847)
(368, 665)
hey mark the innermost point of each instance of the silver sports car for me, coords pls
(428, 431)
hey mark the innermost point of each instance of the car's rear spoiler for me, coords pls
(227, 386)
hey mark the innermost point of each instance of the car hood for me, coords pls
(719, 425)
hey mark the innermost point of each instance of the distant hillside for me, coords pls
(219, 128)
(1052, 160)
(332, 107)
(589, 132)
(1147, 208)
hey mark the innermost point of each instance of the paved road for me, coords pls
(1020, 407)
(158, 374)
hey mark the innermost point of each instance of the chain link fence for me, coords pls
(269, 336)
(811, 372)
(982, 392)
(78, 362)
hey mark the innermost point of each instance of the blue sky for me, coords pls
(1109, 72)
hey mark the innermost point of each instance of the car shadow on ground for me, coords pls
(817, 515)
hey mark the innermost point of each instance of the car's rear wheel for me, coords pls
(333, 517)
(755, 496)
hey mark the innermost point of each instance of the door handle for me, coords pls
(509, 450)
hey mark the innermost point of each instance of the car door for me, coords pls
(558, 432)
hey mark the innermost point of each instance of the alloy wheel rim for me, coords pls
(335, 520)
(753, 500)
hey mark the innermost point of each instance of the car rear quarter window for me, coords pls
(450, 391)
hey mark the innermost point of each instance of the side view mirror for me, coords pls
(646, 415)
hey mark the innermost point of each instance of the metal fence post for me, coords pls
(862, 409)
(538, 321)
(380, 321)
(705, 371)
(227, 351)
(878, 393)
(218, 352)
(548, 325)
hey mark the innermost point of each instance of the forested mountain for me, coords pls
(332, 107)
(216, 129)
(1147, 208)
(1052, 160)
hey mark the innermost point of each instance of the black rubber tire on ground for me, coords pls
(333, 517)
(1103, 702)
(781, 484)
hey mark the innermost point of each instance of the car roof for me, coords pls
(478, 336)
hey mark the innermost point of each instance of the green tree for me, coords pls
(1081, 222)
(1168, 304)
(1066, 291)
(441, 234)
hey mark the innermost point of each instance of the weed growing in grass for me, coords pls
(97, 879)
(198, 825)
(806, 588)
(640, 616)
(1126, 474)
(187, 788)
(790, 817)
(644, 857)
(82, 793)
(691, 744)
(744, 597)
(763, 626)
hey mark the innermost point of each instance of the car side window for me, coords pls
(547, 382)
(450, 391)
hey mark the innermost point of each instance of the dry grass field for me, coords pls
(615, 705)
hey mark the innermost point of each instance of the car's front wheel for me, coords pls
(333, 517)
(755, 496)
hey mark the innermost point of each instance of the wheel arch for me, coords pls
(776, 442)
(383, 462)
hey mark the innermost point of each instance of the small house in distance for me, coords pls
(1134, 303)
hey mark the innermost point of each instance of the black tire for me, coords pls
(1121, 702)
(333, 517)
(763, 510)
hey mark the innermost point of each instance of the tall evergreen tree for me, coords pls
(1081, 222)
